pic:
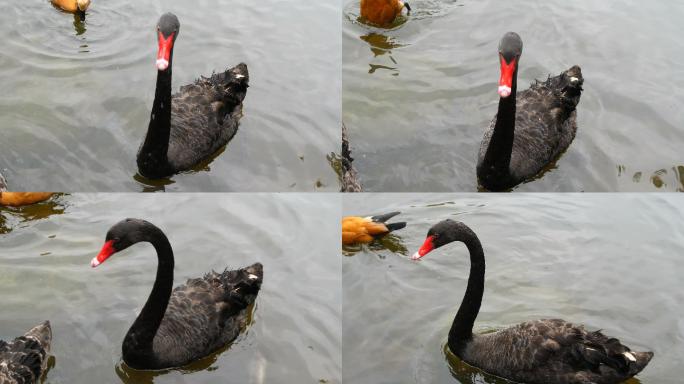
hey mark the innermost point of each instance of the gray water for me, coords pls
(295, 332)
(76, 97)
(610, 262)
(417, 98)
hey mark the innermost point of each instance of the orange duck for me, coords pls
(72, 6)
(18, 199)
(356, 229)
(382, 12)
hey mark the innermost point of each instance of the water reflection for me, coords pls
(80, 26)
(662, 179)
(381, 45)
(392, 242)
(13, 217)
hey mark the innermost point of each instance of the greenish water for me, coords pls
(295, 333)
(611, 262)
(417, 98)
(77, 96)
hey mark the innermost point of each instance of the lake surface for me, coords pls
(295, 333)
(77, 97)
(418, 97)
(610, 262)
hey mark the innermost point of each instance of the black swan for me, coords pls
(534, 352)
(527, 134)
(357, 229)
(177, 327)
(192, 125)
(24, 360)
(350, 177)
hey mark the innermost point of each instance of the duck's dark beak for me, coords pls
(408, 8)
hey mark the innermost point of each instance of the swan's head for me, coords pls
(82, 5)
(510, 50)
(122, 235)
(167, 32)
(403, 4)
(443, 233)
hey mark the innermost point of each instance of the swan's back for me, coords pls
(545, 124)
(205, 314)
(23, 360)
(554, 351)
(205, 116)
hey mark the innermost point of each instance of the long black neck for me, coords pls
(155, 149)
(461, 331)
(498, 155)
(137, 345)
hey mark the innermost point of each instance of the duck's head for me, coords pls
(82, 5)
(510, 50)
(167, 32)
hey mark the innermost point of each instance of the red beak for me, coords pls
(164, 53)
(107, 250)
(506, 79)
(428, 246)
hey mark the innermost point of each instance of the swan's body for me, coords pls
(382, 12)
(24, 359)
(191, 126)
(532, 128)
(356, 229)
(73, 6)
(535, 352)
(18, 199)
(178, 327)
(350, 177)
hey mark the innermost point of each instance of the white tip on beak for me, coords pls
(162, 64)
(504, 91)
(94, 263)
(415, 256)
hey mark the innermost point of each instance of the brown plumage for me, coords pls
(356, 229)
(72, 6)
(534, 352)
(24, 359)
(18, 199)
(382, 12)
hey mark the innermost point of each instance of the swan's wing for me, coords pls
(25, 358)
(205, 116)
(554, 351)
(206, 313)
